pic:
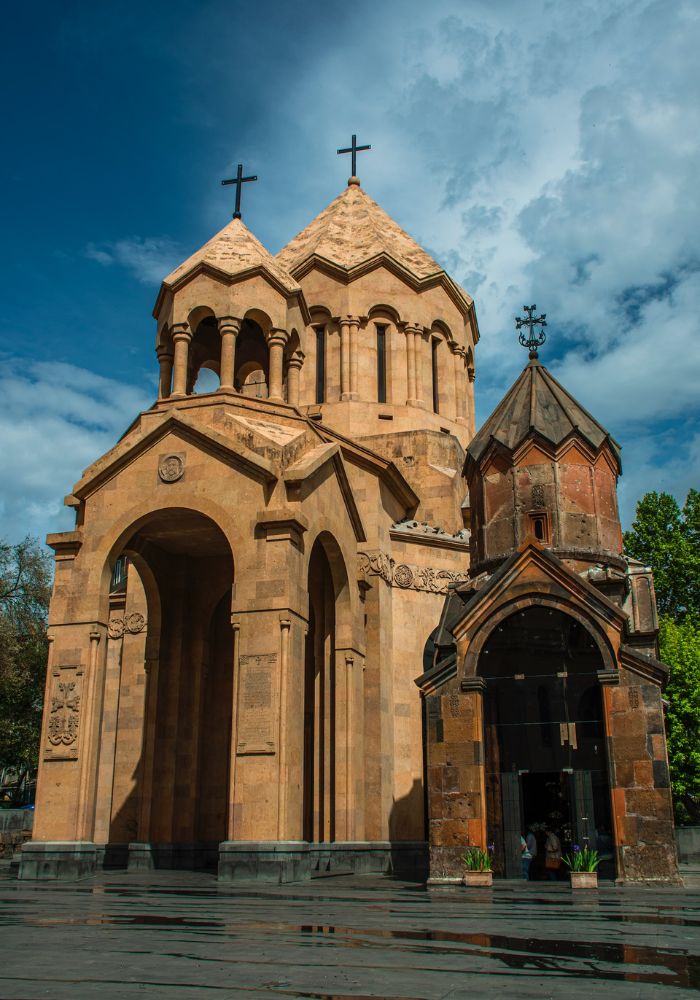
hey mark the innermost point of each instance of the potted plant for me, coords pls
(477, 866)
(583, 864)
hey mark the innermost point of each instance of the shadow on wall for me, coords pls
(407, 826)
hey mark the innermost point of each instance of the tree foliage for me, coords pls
(25, 587)
(680, 650)
(667, 538)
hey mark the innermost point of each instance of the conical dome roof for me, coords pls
(537, 403)
(235, 251)
(354, 231)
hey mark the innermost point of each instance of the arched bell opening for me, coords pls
(328, 698)
(545, 741)
(252, 371)
(165, 744)
(204, 363)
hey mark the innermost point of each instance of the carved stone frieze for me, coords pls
(407, 576)
(133, 623)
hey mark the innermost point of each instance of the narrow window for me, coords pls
(436, 398)
(320, 363)
(381, 364)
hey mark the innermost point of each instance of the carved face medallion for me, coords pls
(171, 468)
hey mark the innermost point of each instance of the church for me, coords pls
(309, 620)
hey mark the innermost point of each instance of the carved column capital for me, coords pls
(181, 331)
(277, 336)
(229, 324)
(297, 360)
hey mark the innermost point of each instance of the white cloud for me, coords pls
(148, 259)
(56, 419)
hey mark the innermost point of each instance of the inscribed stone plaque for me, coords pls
(256, 700)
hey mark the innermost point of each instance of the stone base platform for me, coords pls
(259, 861)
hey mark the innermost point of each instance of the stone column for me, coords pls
(182, 336)
(410, 366)
(354, 331)
(419, 341)
(471, 415)
(229, 327)
(276, 341)
(345, 358)
(293, 370)
(165, 362)
(459, 355)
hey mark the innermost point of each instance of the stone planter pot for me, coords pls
(479, 879)
(584, 880)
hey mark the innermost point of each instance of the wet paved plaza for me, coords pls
(179, 935)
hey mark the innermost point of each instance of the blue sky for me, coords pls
(543, 151)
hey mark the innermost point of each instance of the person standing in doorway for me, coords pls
(528, 848)
(552, 860)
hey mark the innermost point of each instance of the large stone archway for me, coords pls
(163, 783)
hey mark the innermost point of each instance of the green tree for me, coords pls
(25, 587)
(680, 650)
(667, 538)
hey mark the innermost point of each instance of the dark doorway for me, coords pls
(544, 734)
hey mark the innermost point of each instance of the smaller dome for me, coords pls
(537, 404)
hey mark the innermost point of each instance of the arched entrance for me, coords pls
(172, 745)
(545, 744)
(327, 699)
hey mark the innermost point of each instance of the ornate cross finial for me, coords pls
(238, 180)
(533, 339)
(354, 149)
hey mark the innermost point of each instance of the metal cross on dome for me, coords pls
(354, 149)
(239, 180)
(533, 339)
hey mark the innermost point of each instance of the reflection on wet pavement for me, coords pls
(179, 934)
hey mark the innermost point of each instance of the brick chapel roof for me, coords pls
(537, 403)
(352, 231)
(235, 251)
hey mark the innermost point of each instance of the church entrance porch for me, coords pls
(544, 735)
(165, 746)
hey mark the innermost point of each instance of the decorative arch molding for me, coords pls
(197, 314)
(344, 594)
(116, 541)
(441, 327)
(516, 604)
(263, 320)
(384, 311)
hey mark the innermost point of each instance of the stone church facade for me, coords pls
(259, 573)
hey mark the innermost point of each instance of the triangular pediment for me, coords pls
(312, 464)
(231, 451)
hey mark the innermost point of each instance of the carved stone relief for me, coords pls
(171, 468)
(407, 576)
(133, 623)
(537, 496)
(64, 715)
